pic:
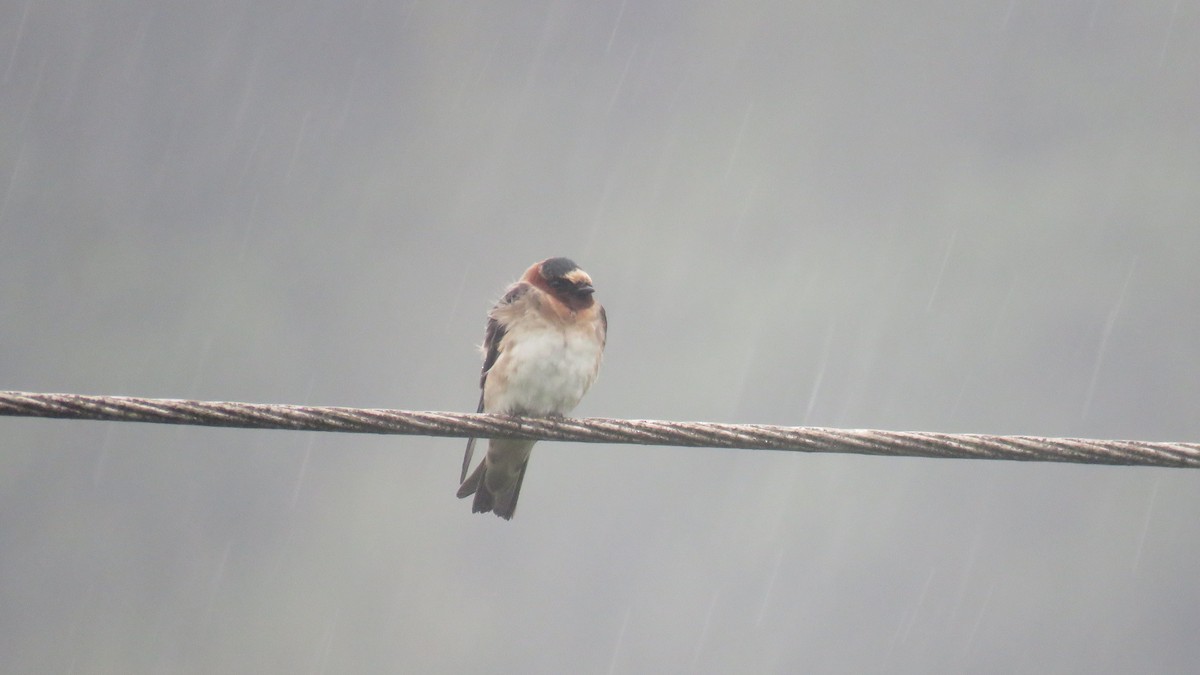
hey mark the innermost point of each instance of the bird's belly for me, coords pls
(542, 373)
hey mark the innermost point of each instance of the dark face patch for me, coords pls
(556, 268)
(563, 278)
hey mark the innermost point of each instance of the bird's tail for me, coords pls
(472, 484)
(496, 488)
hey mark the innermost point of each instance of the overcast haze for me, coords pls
(943, 216)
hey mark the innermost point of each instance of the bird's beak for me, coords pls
(585, 289)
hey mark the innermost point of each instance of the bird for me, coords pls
(541, 352)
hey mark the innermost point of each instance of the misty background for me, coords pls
(941, 216)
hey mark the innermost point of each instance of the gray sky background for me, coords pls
(961, 217)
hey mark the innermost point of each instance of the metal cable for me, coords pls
(598, 430)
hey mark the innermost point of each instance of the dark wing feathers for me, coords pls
(494, 335)
(491, 349)
(470, 445)
(492, 338)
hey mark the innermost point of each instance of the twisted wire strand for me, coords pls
(599, 430)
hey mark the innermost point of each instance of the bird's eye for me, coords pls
(560, 283)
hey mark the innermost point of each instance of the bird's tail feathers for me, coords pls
(467, 460)
(503, 504)
(473, 483)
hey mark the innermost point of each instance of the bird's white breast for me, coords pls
(544, 369)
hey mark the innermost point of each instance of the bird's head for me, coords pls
(563, 279)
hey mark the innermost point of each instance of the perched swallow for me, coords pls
(541, 352)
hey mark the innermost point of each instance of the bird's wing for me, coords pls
(493, 338)
(470, 446)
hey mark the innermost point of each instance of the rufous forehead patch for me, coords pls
(577, 276)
